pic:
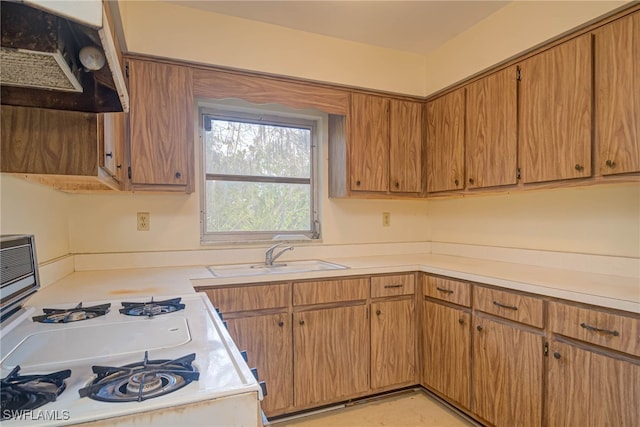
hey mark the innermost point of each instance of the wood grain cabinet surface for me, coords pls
(331, 355)
(491, 142)
(62, 149)
(445, 118)
(617, 96)
(507, 374)
(405, 147)
(510, 305)
(393, 285)
(161, 126)
(555, 112)
(446, 289)
(446, 352)
(586, 388)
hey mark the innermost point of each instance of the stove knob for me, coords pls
(263, 386)
(244, 355)
(254, 371)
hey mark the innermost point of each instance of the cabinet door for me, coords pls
(161, 122)
(445, 142)
(507, 374)
(491, 130)
(393, 349)
(112, 149)
(591, 390)
(405, 147)
(617, 96)
(447, 351)
(331, 354)
(555, 112)
(267, 340)
(369, 145)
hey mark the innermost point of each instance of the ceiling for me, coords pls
(411, 26)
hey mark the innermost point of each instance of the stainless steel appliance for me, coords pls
(140, 361)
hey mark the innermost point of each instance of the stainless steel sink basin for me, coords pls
(236, 270)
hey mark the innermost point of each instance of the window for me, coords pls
(258, 175)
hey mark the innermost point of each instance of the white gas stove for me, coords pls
(212, 385)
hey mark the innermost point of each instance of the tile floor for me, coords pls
(411, 409)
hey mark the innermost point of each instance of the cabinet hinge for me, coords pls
(518, 74)
(518, 174)
(126, 70)
(129, 172)
(546, 348)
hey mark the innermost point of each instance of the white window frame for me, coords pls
(274, 115)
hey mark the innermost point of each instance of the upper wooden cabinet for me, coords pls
(385, 145)
(405, 146)
(369, 143)
(66, 150)
(617, 96)
(555, 112)
(491, 142)
(445, 142)
(161, 126)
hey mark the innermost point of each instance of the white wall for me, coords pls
(35, 209)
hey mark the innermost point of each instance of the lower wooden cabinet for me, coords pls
(330, 355)
(267, 340)
(588, 389)
(507, 374)
(393, 344)
(446, 353)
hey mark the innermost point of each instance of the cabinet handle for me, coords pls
(471, 181)
(301, 322)
(392, 286)
(610, 163)
(594, 329)
(178, 175)
(479, 328)
(510, 307)
(280, 323)
(358, 183)
(579, 167)
(461, 321)
(556, 355)
(446, 291)
(378, 312)
(456, 182)
(119, 166)
(109, 154)
(397, 184)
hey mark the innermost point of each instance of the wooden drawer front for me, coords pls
(388, 286)
(247, 298)
(509, 305)
(615, 331)
(448, 290)
(328, 291)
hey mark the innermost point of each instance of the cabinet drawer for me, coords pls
(328, 291)
(610, 330)
(388, 286)
(521, 308)
(448, 290)
(247, 298)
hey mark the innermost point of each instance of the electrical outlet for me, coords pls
(143, 221)
(386, 219)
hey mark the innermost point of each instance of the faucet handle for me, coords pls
(271, 248)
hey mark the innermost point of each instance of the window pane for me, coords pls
(249, 206)
(236, 148)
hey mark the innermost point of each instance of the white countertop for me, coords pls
(618, 292)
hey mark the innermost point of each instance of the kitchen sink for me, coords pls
(236, 270)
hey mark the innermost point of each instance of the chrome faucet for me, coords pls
(269, 257)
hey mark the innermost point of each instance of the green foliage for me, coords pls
(258, 150)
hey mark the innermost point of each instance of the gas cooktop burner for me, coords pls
(22, 393)
(151, 308)
(142, 380)
(54, 315)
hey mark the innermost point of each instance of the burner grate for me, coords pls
(142, 380)
(78, 313)
(151, 308)
(21, 393)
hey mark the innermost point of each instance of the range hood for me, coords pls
(53, 58)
